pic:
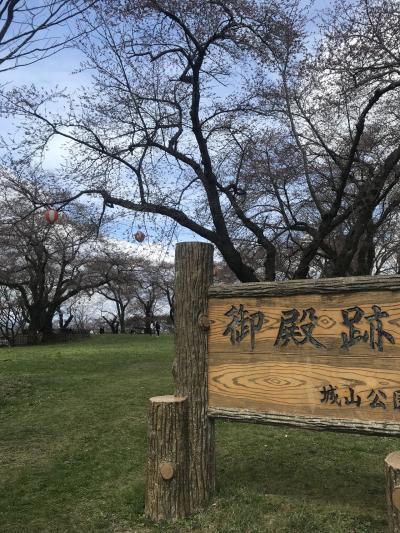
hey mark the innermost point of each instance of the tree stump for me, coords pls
(167, 494)
(392, 471)
(193, 277)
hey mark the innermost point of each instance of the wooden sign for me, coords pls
(322, 354)
(318, 354)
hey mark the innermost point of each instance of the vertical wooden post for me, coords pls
(193, 276)
(167, 494)
(392, 471)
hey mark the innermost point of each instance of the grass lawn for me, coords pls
(73, 451)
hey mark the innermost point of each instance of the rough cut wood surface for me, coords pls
(306, 380)
(392, 471)
(167, 496)
(305, 422)
(305, 286)
(193, 276)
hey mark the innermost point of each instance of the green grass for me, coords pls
(73, 451)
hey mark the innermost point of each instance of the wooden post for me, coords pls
(392, 471)
(167, 494)
(193, 276)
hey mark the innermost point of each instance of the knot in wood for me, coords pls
(204, 322)
(167, 470)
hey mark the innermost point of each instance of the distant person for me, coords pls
(157, 327)
(101, 330)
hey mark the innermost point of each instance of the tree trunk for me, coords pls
(60, 318)
(171, 303)
(167, 494)
(148, 319)
(122, 321)
(243, 272)
(68, 321)
(308, 255)
(193, 276)
(392, 471)
(270, 264)
(364, 258)
(47, 329)
(40, 324)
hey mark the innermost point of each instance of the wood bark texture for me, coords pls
(314, 423)
(305, 286)
(392, 471)
(167, 494)
(193, 276)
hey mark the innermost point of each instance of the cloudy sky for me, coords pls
(61, 70)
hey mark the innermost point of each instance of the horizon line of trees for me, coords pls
(45, 268)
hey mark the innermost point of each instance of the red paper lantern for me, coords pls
(139, 236)
(51, 216)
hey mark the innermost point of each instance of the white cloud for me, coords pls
(151, 251)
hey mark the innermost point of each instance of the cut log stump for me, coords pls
(167, 494)
(392, 471)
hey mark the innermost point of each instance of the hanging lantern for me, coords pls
(62, 218)
(139, 236)
(51, 216)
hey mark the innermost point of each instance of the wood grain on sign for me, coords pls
(356, 388)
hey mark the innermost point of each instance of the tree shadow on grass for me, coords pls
(337, 468)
